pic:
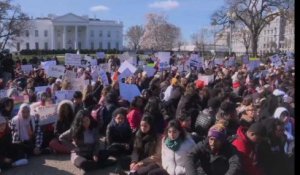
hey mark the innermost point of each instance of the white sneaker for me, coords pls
(20, 162)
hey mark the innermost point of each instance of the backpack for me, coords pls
(97, 114)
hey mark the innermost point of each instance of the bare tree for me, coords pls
(159, 33)
(134, 36)
(254, 14)
(243, 35)
(13, 22)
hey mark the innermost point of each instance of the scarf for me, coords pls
(173, 144)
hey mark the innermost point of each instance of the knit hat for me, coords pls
(2, 120)
(199, 84)
(174, 81)
(217, 131)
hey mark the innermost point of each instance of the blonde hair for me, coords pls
(86, 91)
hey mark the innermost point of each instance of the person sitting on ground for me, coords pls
(118, 133)
(214, 156)
(86, 153)
(175, 146)
(10, 154)
(135, 113)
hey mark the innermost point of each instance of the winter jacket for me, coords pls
(174, 162)
(3, 111)
(201, 161)
(34, 123)
(79, 146)
(150, 150)
(118, 133)
(134, 118)
(248, 153)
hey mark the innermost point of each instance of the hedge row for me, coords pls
(63, 51)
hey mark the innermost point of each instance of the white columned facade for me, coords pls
(76, 37)
(87, 38)
(64, 37)
(53, 37)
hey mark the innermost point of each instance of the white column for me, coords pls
(76, 35)
(64, 37)
(53, 38)
(87, 38)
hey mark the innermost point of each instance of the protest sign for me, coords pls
(100, 55)
(290, 63)
(3, 93)
(127, 65)
(56, 71)
(129, 91)
(93, 62)
(64, 95)
(26, 68)
(245, 59)
(150, 71)
(164, 60)
(41, 88)
(47, 64)
(70, 74)
(151, 64)
(218, 61)
(47, 114)
(103, 76)
(230, 62)
(72, 59)
(206, 78)
(126, 73)
(78, 84)
(95, 74)
(276, 61)
(195, 61)
(253, 64)
(123, 57)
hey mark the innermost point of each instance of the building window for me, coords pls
(264, 45)
(46, 46)
(18, 46)
(27, 33)
(92, 33)
(100, 33)
(108, 34)
(117, 45)
(100, 45)
(117, 34)
(27, 46)
(36, 33)
(92, 45)
(46, 33)
(37, 46)
(108, 45)
(79, 45)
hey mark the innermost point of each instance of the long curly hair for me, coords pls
(77, 128)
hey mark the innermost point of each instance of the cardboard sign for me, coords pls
(47, 114)
(129, 91)
(126, 65)
(72, 59)
(206, 78)
(26, 68)
(64, 95)
(100, 55)
(56, 71)
(3, 93)
(41, 88)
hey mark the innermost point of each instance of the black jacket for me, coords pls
(201, 161)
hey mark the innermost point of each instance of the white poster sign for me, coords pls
(206, 78)
(127, 65)
(26, 68)
(103, 76)
(195, 61)
(129, 91)
(64, 95)
(164, 60)
(100, 55)
(70, 74)
(46, 64)
(41, 88)
(93, 62)
(47, 114)
(126, 73)
(56, 71)
(150, 71)
(72, 59)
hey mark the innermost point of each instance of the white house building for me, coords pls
(71, 32)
